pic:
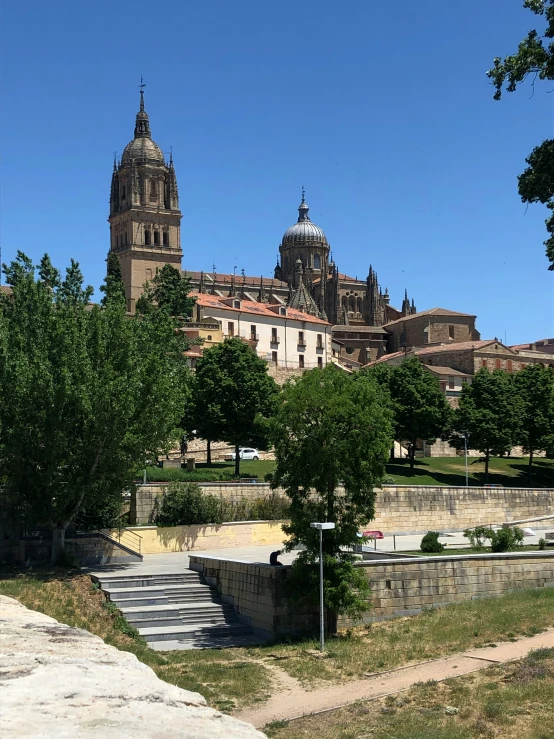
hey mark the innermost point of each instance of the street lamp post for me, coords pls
(321, 527)
(465, 453)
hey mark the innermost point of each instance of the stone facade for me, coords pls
(400, 509)
(400, 586)
(434, 326)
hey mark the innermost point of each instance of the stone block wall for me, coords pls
(400, 587)
(400, 509)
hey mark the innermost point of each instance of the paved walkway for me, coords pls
(292, 701)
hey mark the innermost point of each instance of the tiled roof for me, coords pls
(249, 282)
(430, 312)
(258, 309)
(457, 346)
(444, 370)
(386, 357)
(353, 329)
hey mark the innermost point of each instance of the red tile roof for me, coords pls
(430, 312)
(259, 309)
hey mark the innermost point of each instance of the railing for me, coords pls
(275, 340)
(129, 539)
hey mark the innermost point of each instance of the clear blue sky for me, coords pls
(382, 110)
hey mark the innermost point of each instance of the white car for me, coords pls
(246, 453)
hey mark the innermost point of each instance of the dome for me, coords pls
(143, 150)
(304, 229)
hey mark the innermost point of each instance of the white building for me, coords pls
(283, 336)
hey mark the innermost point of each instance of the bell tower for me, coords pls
(145, 220)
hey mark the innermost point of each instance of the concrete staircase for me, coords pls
(176, 611)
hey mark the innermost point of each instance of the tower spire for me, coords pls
(142, 86)
(142, 124)
(303, 208)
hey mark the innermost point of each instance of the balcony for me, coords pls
(254, 337)
(301, 343)
(275, 340)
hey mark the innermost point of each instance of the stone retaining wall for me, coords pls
(399, 509)
(158, 540)
(400, 587)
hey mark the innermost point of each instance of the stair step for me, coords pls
(166, 633)
(199, 619)
(142, 582)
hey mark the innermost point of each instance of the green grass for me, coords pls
(434, 633)
(510, 472)
(451, 471)
(467, 550)
(512, 701)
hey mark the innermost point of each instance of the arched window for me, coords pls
(156, 238)
(352, 304)
(123, 192)
(317, 261)
(117, 241)
(165, 238)
(153, 190)
(360, 305)
(147, 238)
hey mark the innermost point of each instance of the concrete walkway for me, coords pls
(292, 701)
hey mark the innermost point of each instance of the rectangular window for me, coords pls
(230, 328)
(319, 343)
(320, 362)
(443, 385)
(451, 332)
(165, 238)
(273, 335)
(498, 364)
(509, 365)
(147, 238)
(301, 341)
(156, 238)
(274, 357)
(483, 363)
(253, 336)
(451, 383)
(301, 361)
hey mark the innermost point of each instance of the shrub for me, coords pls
(477, 536)
(542, 543)
(158, 474)
(431, 544)
(506, 539)
(185, 504)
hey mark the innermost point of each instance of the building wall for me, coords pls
(286, 348)
(400, 509)
(429, 329)
(399, 587)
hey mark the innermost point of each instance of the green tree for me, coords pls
(489, 413)
(86, 395)
(419, 406)
(330, 429)
(113, 287)
(535, 58)
(535, 387)
(168, 291)
(233, 393)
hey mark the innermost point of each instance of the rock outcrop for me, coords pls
(57, 681)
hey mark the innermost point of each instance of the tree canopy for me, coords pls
(86, 394)
(534, 58)
(489, 414)
(330, 430)
(233, 393)
(419, 406)
(168, 291)
(535, 388)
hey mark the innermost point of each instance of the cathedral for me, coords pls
(145, 234)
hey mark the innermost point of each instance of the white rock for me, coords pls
(57, 681)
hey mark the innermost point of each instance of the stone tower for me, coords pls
(145, 220)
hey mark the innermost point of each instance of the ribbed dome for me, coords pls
(304, 230)
(143, 150)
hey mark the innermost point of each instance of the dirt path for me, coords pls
(292, 701)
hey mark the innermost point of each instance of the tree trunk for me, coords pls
(237, 461)
(332, 621)
(487, 457)
(58, 543)
(530, 468)
(209, 452)
(391, 457)
(412, 456)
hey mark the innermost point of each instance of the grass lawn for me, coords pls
(512, 701)
(428, 471)
(232, 678)
(451, 471)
